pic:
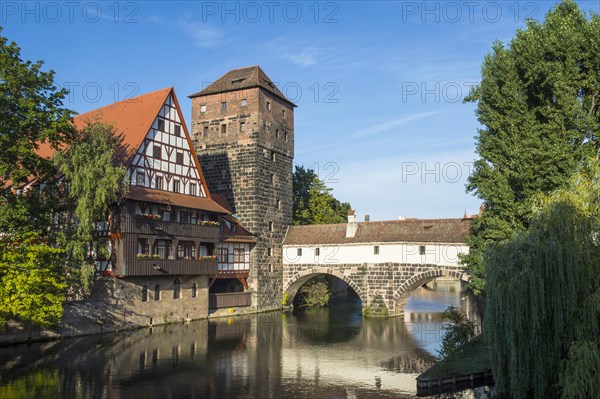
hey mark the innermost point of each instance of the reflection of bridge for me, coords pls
(383, 262)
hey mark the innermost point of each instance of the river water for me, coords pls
(319, 353)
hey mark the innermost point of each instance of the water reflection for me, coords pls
(321, 353)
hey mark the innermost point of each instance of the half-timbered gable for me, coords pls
(165, 159)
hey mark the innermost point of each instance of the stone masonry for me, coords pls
(382, 287)
(244, 139)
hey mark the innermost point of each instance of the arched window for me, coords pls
(145, 293)
(157, 292)
(177, 289)
(194, 290)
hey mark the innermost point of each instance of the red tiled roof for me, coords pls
(243, 78)
(421, 230)
(167, 197)
(131, 118)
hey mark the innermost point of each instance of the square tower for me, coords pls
(243, 133)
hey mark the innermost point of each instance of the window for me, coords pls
(175, 185)
(239, 255)
(194, 290)
(278, 204)
(206, 130)
(283, 113)
(272, 178)
(223, 129)
(299, 252)
(242, 127)
(184, 216)
(145, 293)
(276, 133)
(161, 124)
(163, 248)
(376, 249)
(192, 188)
(268, 105)
(223, 255)
(270, 268)
(203, 108)
(179, 158)
(270, 226)
(177, 289)
(223, 105)
(272, 155)
(269, 251)
(244, 102)
(285, 136)
(177, 130)
(143, 246)
(165, 212)
(140, 178)
(317, 251)
(421, 249)
(157, 292)
(158, 182)
(157, 151)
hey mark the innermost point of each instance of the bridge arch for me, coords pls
(403, 292)
(293, 284)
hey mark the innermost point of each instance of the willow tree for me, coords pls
(543, 298)
(538, 104)
(94, 175)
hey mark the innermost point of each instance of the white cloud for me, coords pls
(202, 35)
(305, 57)
(382, 127)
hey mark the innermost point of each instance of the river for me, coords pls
(318, 353)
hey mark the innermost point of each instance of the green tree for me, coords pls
(538, 103)
(32, 285)
(543, 297)
(31, 113)
(313, 201)
(95, 180)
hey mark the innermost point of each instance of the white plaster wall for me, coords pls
(435, 253)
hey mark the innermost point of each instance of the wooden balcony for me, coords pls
(229, 300)
(162, 267)
(160, 228)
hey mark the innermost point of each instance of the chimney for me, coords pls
(367, 217)
(352, 226)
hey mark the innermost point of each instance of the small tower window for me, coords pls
(269, 251)
(270, 226)
(206, 130)
(268, 105)
(242, 127)
(285, 136)
(157, 292)
(272, 178)
(278, 204)
(272, 155)
(283, 113)
(223, 105)
(223, 128)
(145, 293)
(276, 133)
(244, 102)
(203, 108)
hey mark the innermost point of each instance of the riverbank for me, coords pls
(470, 369)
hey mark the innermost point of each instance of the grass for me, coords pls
(473, 358)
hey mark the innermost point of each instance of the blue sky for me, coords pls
(379, 84)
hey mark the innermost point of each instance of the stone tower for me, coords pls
(243, 133)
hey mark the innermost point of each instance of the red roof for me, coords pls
(132, 118)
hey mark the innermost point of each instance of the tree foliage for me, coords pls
(315, 292)
(31, 113)
(313, 201)
(543, 297)
(32, 285)
(538, 103)
(95, 182)
(458, 332)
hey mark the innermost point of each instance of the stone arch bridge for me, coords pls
(383, 288)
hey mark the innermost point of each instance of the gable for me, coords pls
(165, 159)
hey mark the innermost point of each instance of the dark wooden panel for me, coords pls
(161, 267)
(159, 228)
(229, 300)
